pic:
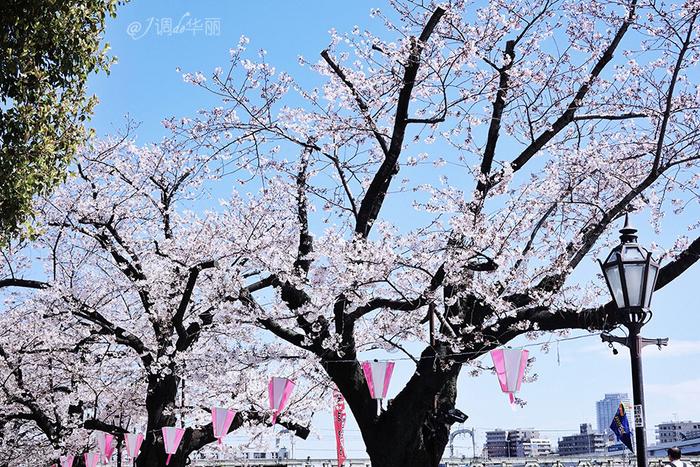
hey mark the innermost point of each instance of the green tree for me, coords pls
(48, 48)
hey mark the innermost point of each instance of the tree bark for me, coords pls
(393, 443)
(413, 430)
(161, 395)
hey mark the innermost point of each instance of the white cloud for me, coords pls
(682, 397)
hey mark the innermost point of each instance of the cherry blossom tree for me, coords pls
(271, 231)
(523, 132)
(54, 379)
(124, 335)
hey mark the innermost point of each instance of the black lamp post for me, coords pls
(630, 273)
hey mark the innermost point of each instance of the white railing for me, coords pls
(550, 461)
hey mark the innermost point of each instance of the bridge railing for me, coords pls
(552, 461)
(616, 461)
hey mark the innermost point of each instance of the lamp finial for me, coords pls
(628, 234)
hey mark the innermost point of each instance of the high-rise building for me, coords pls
(606, 408)
(497, 443)
(586, 442)
(670, 432)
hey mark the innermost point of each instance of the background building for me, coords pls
(669, 432)
(537, 447)
(586, 442)
(516, 443)
(497, 443)
(605, 410)
(517, 440)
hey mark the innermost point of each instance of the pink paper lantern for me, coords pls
(91, 459)
(133, 444)
(279, 390)
(221, 420)
(104, 444)
(510, 367)
(171, 438)
(378, 376)
(67, 461)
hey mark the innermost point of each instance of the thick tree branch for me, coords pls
(245, 296)
(193, 330)
(204, 435)
(94, 424)
(675, 268)
(401, 304)
(625, 116)
(271, 325)
(25, 283)
(121, 335)
(283, 333)
(302, 261)
(262, 283)
(601, 318)
(499, 105)
(179, 315)
(376, 192)
(568, 115)
(668, 107)
(604, 317)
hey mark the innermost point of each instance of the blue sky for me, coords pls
(145, 85)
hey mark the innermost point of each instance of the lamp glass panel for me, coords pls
(632, 253)
(612, 258)
(613, 276)
(634, 275)
(651, 282)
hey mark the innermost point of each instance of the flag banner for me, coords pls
(339, 421)
(621, 427)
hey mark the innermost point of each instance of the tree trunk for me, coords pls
(161, 396)
(414, 429)
(394, 443)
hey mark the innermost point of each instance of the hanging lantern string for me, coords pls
(472, 353)
(457, 354)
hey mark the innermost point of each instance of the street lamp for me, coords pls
(630, 273)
